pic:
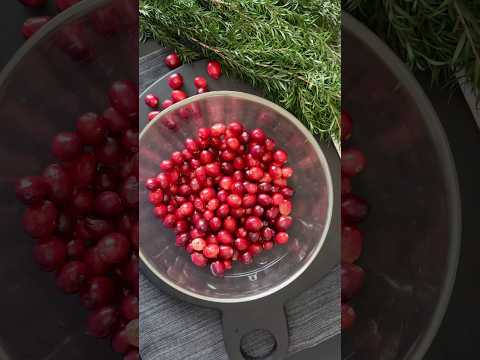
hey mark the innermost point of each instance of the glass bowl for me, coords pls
(271, 270)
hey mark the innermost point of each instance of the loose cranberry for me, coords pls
(255, 249)
(31, 189)
(281, 238)
(72, 276)
(228, 264)
(66, 145)
(285, 207)
(214, 69)
(254, 236)
(283, 223)
(258, 136)
(40, 219)
(178, 95)
(129, 307)
(123, 96)
(267, 234)
(348, 317)
(175, 81)
(277, 199)
(354, 208)
(246, 258)
(109, 153)
(102, 322)
(215, 224)
(352, 242)
(218, 129)
(199, 260)
(181, 239)
(264, 200)
(153, 114)
(225, 252)
(211, 251)
(200, 82)
(287, 192)
(113, 248)
(108, 204)
(230, 224)
(258, 211)
(253, 224)
(33, 24)
(223, 211)
(280, 157)
(91, 129)
(120, 342)
(287, 172)
(98, 292)
(151, 101)
(224, 238)
(255, 173)
(217, 268)
(198, 244)
(352, 280)
(50, 255)
(275, 171)
(234, 201)
(268, 245)
(76, 248)
(33, 3)
(353, 162)
(172, 61)
(272, 213)
(346, 126)
(269, 144)
(130, 140)
(95, 265)
(249, 201)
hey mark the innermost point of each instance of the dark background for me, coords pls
(458, 334)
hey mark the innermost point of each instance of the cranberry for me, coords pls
(123, 96)
(285, 207)
(280, 157)
(264, 200)
(64, 224)
(95, 265)
(72, 276)
(153, 114)
(33, 24)
(40, 219)
(91, 129)
(354, 208)
(66, 145)
(255, 173)
(277, 199)
(113, 248)
(275, 171)
(224, 237)
(76, 248)
(269, 144)
(106, 180)
(65, 4)
(268, 245)
(178, 95)
(200, 82)
(346, 126)
(352, 280)
(218, 129)
(272, 213)
(215, 224)
(281, 238)
(225, 252)
(234, 201)
(181, 239)
(50, 255)
(175, 81)
(211, 251)
(199, 260)
(346, 185)
(151, 101)
(109, 153)
(287, 172)
(227, 264)
(198, 244)
(129, 307)
(132, 355)
(217, 268)
(283, 223)
(172, 61)
(255, 249)
(120, 342)
(33, 3)
(237, 188)
(287, 192)
(102, 322)
(214, 69)
(223, 211)
(246, 258)
(267, 234)
(98, 292)
(348, 316)
(31, 189)
(249, 201)
(352, 242)
(108, 204)
(253, 223)
(353, 162)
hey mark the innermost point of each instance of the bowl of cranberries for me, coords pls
(236, 200)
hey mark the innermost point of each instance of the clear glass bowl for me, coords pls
(272, 270)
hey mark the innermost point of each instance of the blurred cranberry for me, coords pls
(352, 280)
(353, 162)
(354, 208)
(95, 265)
(129, 192)
(33, 24)
(101, 322)
(132, 355)
(97, 227)
(348, 316)
(65, 4)
(346, 126)
(76, 248)
(352, 242)
(123, 96)
(31, 189)
(105, 21)
(40, 219)
(109, 153)
(129, 307)
(66, 145)
(60, 183)
(98, 292)
(91, 129)
(108, 204)
(120, 342)
(72, 276)
(114, 120)
(50, 255)
(85, 169)
(113, 248)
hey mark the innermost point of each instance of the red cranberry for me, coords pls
(280, 157)
(153, 114)
(72, 276)
(181, 240)
(283, 223)
(269, 144)
(115, 121)
(237, 213)
(251, 188)
(275, 171)
(108, 204)
(181, 227)
(258, 211)
(213, 169)
(249, 201)
(85, 170)
(97, 228)
(66, 145)
(91, 129)
(348, 317)
(281, 238)
(346, 185)
(50, 255)
(287, 172)
(166, 103)
(130, 140)
(40, 219)
(200, 82)
(264, 200)
(234, 201)
(175, 81)
(211, 251)
(224, 238)
(98, 292)
(255, 249)
(170, 221)
(213, 204)
(255, 173)
(253, 224)
(257, 151)
(215, 224)
(156, 197)
(31, 189)
(230, 224)
(178, 95)
(33, 3)
(106, 180)
(346, 126)
(132, 355)
(352, 242)
(287, 192)
(353, 162)
(235, 128)
(285, 207)
(198, 244)
(151, 101)
(225, 252)
(268, 245)
(258, 136)
(277, 199)
(354, 208)
(113, 248)
(214, 69)
(76, 248)
(238, 163)
(123, 96)
(223, 211)
(217, 268)
(272, 213)
(352, 280)
(83, 201)
(228, 264)
(246, 258)
(199, 260)
(129, 307)
(64, 224)
(109, 153)
(218, 129)
(120, 342)
(253, 236)
(186, 209)
(172, 61)
(102, 322)
(237, 188)
(267, 234)
(33, 24)
(95, 265)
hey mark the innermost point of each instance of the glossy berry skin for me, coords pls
(66, 146)
(123, 96)
(108, 204)
(50, 255)
(217, 268)
(113, 248)
(175, 81)
(31, 189)
(172, 61)
(98, 292)
(353, 162)
(178, 95)
(102, 322)
(281, 238)
(199, 259)
(72, 276)
(200, 82)
(214, 69)
(40, 219)
(153, 114)
(348, 317)
(33, 24)
(151, 101)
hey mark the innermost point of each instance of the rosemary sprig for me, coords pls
(290, 49)
(442, 36)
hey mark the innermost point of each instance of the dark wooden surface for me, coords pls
(459, 333)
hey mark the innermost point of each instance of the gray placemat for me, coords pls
(171, 329)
